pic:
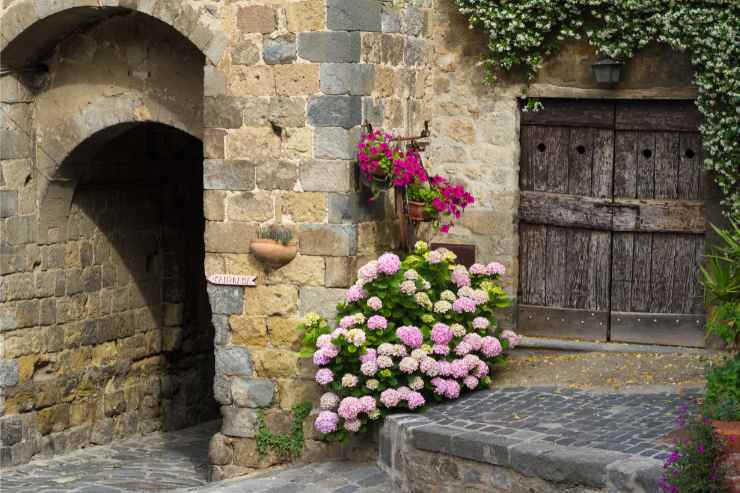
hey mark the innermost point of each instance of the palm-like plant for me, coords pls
(722, 283)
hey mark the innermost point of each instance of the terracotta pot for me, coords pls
(273, 253)
(730, 432)
(417, 212)
(378, 180)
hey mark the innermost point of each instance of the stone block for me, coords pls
(8, 320)
(287, 111)
(292, 391)
(336, 142)
(14, 144)
(221, 174)
(276, 363)
(256, 19)
(284, 333)
(247, 456)
(250, 206)
(214, 81)
(226, 300)
(304, 16)
(328, 240)
(233, 361)
(229, 237)
(16, 172)
(239, 422)
(337, 47)
(413, 21)
(255, 392)
(352, 208)
(335, 111)
(220, 451)
(249, 331)
(11, 430)
(303, 270)
(347, 78)
(222, 389)
(353, 15)
(8, 203)
(297, 79)
(214, 205)
(304, 207)
(390, 21)
(257, 111)
(634, 475)
(280, 49)
(222, 112)
(280, 175)
(327, 176)
(322, 301)
(247, 51)
(252, 80)
(272, 300)
(8, 373)
(254, 143)
(221, 329)
(340, 272)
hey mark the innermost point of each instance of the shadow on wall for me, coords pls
(137, 308)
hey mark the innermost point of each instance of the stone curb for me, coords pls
(607, 347)
(596, 468)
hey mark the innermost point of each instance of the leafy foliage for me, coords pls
(287, 446)
(523, 32)
(694, 466)
(722, 396)
(281, 234)
(722, 283)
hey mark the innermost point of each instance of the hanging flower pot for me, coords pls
(417, 212)
(376, 181)
(273, 246)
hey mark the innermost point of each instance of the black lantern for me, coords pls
(607, 71)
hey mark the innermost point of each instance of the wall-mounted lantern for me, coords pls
(607, 71)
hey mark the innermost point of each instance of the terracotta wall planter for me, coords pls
(417, 212)
(730, 432)
(273, 253)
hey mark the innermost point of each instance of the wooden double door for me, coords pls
(612, 222)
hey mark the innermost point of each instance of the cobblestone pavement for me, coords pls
(633, 422)
(155, 462)
(324, 477)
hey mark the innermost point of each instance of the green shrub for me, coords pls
(722, 396)
(722, 284)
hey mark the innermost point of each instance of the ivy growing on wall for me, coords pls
(523, 32)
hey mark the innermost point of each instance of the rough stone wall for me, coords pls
(300, 79)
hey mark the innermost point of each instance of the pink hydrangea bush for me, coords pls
(410, 333)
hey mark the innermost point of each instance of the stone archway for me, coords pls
(114, 336)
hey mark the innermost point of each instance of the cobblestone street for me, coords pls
(156, 462)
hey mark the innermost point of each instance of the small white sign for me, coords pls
(232, 280)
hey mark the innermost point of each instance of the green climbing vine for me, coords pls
(287, 446)
(523, 32)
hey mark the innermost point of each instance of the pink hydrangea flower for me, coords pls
(513, 338)
(471, 361)
(375, 303)
(474, 340)
(415, 400)
(384, 362)
(428, 367)
(408, 365)
(470, 382)
(321, 357)
(463, 305)
(369, 271)
(329, 401)
(326, 422)
(416, 383)
(441, 333)
(323, 340)
(460, 276)
(324, 376)
(440, 385)
(458, 368)
(347, 321)
(480, 297)
(356, 337)
(369, 355)
(478, 269)
(368, 404)
(369, 369)
(349, 380)
(434, 257)
(386, 349)
(463, 348)
(407, 287)
(495, 269)
(377, 322)
(355, 293)
(444, 368)
(481, 323)
(390, 397)
(338, 332)
(491, 347)
(352, 425)
(452, 389)
(349, 408)
(482, 370)
(410, 335)
(389, 263)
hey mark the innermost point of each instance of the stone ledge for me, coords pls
(404, 434)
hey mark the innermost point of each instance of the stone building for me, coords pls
(144, 142)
